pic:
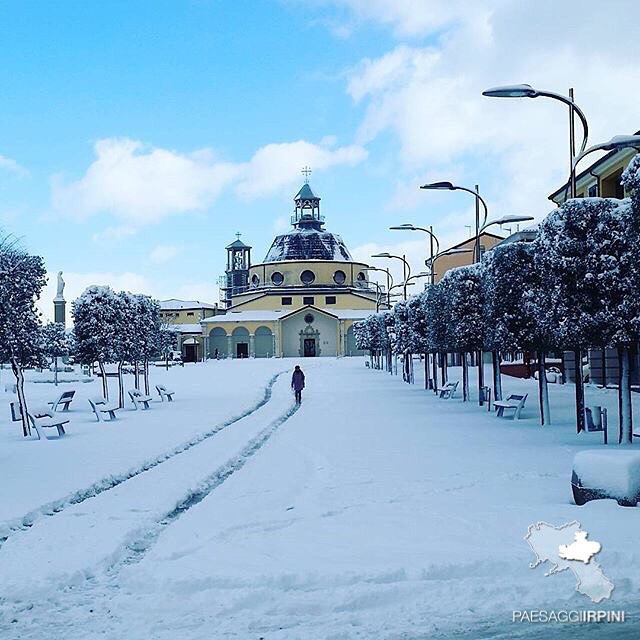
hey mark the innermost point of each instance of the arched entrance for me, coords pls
(263, 342)
(309, 342)
(218, 343)
(240, 343)
(190, 350)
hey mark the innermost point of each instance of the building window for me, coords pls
(339, 277)
(307, 276)
(309, 318)
(330, 300)
(190, 313)
(308, 300)
(593, 190)
(361, 277)
(286, 302)
(255, 280)
(277, 278)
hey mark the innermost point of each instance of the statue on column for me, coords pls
(60, 293)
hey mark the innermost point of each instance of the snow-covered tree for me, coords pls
(166, 341)
(434, 310)
(22, 278)
(55, 344)
(462, 293)
(97, 319)
(591, 249)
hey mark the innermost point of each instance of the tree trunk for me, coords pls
(465, 376)
(22, 400)
(146, 375)
(579, 391)
(105, 382)
(443, 364)
(480, 377)
(426, 370)
(136, 375)
(55, 371)
(624, 396)
(543, 390)
(497, 376)
(120, 386)
(434, 364)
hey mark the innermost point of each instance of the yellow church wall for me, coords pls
(324, 271)
(273, 301)
(230, 326)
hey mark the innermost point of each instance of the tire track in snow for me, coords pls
(135, 551)
(110, 482)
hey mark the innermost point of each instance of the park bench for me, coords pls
(164, 392)
(138, 397)
(514, 401)
(101, 406)
(64, 400)
(448, 390)
(47, 420)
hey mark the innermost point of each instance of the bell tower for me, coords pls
(237, 272)
(307, 211)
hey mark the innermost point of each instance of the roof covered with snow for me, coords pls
(175, 305)
(187, 327)
(308, 244)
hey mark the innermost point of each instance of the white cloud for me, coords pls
(204, 291)
(7, 164)
(277, 166)
(141, 185)
(164, 253)
(430, 98)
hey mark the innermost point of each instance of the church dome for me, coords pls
(308, 240)
(308, 244)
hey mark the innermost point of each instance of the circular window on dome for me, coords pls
(339, 277)
(307, 276)
(277, 278)
(255, 280)
(309, 318)
(361, 277)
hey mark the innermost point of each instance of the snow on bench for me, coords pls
(63, 400)
(163, 391)
(514, 401)
(448, 390)
(601, 474)
(100, 405)
(47, 420)
(137, 397)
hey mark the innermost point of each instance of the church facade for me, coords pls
(300, 301)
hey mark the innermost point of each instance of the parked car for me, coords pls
(553, 375)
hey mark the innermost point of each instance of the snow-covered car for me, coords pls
(553, 375)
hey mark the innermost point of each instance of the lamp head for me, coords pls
(511, 91)
(380, 255)
(511, 218)
(441, 186)
(620, 142)
(403, 227)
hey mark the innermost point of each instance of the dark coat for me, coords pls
(297, 380)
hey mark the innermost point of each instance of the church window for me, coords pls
(361, 277)
(277, 278)
(286, 301)
(309, 318)
(330, 300)
(255, 280)
(190, 313)
(339, 277)
(308, 300)
(307, 276)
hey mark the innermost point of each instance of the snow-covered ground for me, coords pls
(374, 511)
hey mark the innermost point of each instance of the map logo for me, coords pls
(568, 547)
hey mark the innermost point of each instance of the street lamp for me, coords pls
(406, 267)
(389, 280)
(617, 142)
(432, 237)
(449, 186)
(527, 91)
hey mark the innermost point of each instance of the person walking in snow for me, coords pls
(297, 383)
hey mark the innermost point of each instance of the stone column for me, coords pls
(230, 347)
(252, 345)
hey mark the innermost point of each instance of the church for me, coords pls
(300, 301)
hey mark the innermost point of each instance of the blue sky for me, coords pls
(136, 138)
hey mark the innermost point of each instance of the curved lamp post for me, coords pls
(527, 91)
(617, 142)
(406, 267)
(389, 281)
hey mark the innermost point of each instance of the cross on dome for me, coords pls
(306, 171)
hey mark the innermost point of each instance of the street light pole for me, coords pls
(406, 267)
